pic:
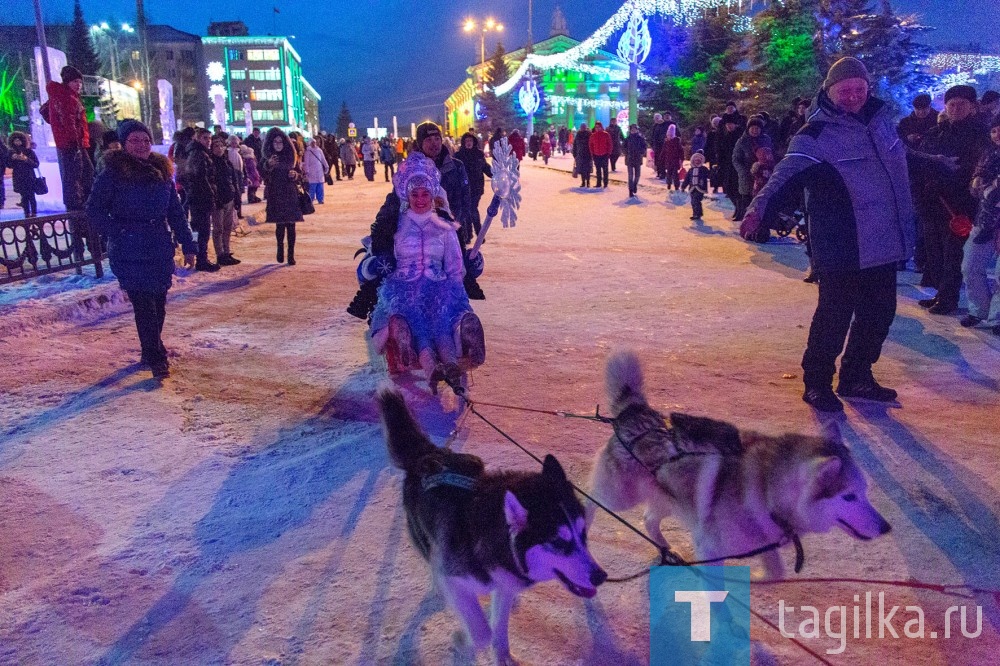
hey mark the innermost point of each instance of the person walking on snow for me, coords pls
(582, 157)
(316, 170)
(600, 150)
(135, 206)
(635, 155)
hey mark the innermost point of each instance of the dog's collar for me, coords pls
(521, 570)
(789, 534)
(446, 478)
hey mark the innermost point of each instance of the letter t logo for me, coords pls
(701, 610)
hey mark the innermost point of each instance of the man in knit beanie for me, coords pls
(853, 168)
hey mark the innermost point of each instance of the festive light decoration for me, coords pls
(562, 101)
(506, 181)
(635, 42)
(964, 62)
(529, 97)
(216, 71)
(218, 90)
(682, 10)
(948, 80)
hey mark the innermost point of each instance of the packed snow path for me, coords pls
(245, 511)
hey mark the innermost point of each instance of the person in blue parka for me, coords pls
(134, 204)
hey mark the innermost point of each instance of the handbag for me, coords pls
(41, 185)
(305, 203)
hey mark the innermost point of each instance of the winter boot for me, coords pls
(402, 340)
(291, 254)
(281, 253)
(823, 398)
(473, 340)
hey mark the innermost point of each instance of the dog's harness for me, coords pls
(450, 479)
(677, 452)
(447, 478)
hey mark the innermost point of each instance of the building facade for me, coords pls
(592, 91)
(264, 73)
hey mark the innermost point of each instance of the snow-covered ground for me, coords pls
(245, 512)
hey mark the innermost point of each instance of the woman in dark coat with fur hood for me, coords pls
(282, 186)
(474, 159)
(23, 161)
(135, 205)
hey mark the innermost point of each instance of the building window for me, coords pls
(237, 74)
(267, 114)
(241, 96)
(235, 54)
(262, 54)
(265, 95)
(272, 74)
(135, 55)
(239, 116)
(170, 55)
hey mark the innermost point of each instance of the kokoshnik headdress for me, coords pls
(417, 170)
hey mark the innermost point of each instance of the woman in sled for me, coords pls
(423, 318)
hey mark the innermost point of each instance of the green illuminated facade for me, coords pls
(591, 92)
(266, 73)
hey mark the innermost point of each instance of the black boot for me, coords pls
(281, 253)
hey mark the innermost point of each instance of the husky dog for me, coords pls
(496, 532)
(736, 491)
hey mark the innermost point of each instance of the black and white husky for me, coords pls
(487, 532)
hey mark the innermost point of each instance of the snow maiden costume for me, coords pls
(423, 313)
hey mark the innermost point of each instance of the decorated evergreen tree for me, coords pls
(785, 62)
(499, 110)
(702, 76)
(79, 50)
(887, 44)
(11, 97)
(838, 20)
(343, 120)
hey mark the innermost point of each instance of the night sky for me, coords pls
(405, 57)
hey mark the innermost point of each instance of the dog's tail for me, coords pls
(404, 437)
(623, 381)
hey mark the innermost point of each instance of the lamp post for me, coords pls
(488, 25)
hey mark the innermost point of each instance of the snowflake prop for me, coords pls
(635, 42)
(529, 97)
(506, 182)
(216, 71)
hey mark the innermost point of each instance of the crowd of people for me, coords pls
(944, 165)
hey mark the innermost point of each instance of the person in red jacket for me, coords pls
(69, 129)
(600, 149)
(516, 142)
(673, 157)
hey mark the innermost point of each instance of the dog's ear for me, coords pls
(826, 471)
(516, 514)
(552, 469)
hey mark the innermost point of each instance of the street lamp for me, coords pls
(488, 25)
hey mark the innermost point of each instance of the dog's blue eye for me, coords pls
(850, 497)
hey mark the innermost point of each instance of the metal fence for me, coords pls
(35, 246)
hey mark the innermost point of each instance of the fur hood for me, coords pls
(132, 169)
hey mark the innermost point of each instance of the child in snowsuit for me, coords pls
(697, 180)
(762, 168)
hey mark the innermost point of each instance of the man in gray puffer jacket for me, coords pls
(852, 166)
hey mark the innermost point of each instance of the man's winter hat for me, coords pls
(70, 73)
(130, 126)
(990, 96)
(963, 92)
(756, 121)
(425, 130)
(417, 170)
(697, 158)
(843, 69)
(921, 101)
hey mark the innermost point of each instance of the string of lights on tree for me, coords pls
(562, 101)
(975, 63)
(682, 10)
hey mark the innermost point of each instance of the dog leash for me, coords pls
(667, 556)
